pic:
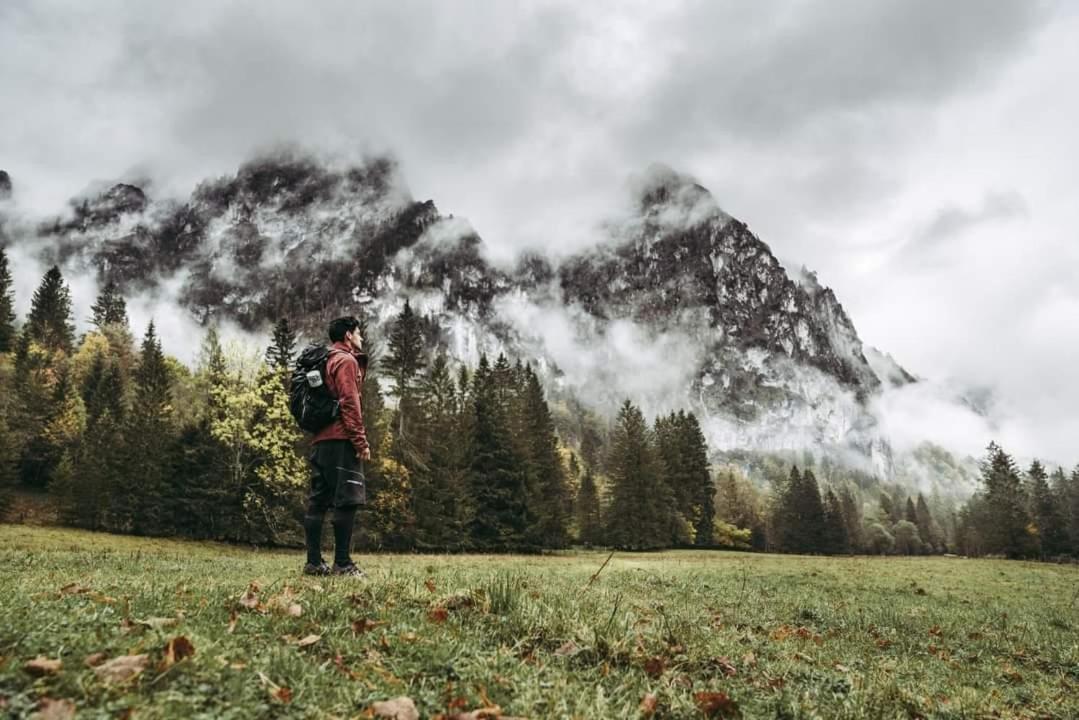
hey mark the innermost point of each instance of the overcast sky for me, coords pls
(919, 155)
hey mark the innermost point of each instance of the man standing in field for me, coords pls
(339, 451)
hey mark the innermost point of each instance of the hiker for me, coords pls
(339, 451)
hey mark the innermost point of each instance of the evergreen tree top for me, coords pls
(110, 307)
(50, 320)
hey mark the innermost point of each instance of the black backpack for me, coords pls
(309, 398)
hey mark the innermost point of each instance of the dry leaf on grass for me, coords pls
(429, 583)
(250, 599)
(399, 708)
(234, 618)
(654, 666)
(359, 627)
(726, 667)
(42, 666)
(648, 705)
(492, 712)
(122, 668)
(308, 641)
(438, 614)
(176, 650)
(95, 659)
(285, 603)
(716, 705)
(280, 693)
(568, 648)
(49, 709)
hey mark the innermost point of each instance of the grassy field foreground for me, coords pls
(126, 627)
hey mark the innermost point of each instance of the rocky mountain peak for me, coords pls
(5, 185)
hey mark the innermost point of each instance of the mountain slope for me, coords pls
(681, 306)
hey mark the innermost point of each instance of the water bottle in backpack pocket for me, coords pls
(310, 400)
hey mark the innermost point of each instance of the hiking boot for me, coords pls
(320, 569)
(350, 570)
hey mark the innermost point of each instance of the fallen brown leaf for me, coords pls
(654, 666)
(250, 598)
(648, 705)
(282, 694)
(49, 709)
(74, 589)
(726, 667)
(568, 648)
(492, 712)
(308, 641)
(234, 617)
(95, 659)
(285, 603)
(359, 627)
(42, 666)
(176, 650)
(781, 633)
(429, 583)
(438, 614)
(122, 668)
(716, 704)
(399, 708)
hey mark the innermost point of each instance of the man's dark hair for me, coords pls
(341, 326)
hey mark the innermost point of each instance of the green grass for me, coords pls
(783, 636)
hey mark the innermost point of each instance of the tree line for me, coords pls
(124, 438)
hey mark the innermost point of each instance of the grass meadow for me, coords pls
(102, 626)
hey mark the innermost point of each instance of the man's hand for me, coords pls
(366, 454)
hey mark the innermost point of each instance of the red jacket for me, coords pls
(345, 371)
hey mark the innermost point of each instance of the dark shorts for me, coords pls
(337, 477)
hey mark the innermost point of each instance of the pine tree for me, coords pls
(928, 528)
(835, 540)
(589, 520)
(438, 487)
(1007, 531)
(8, 460)
(810, 514)
(1066, 496)
(637, 511)
(7, 306)
(279, 354)
(404, 365)
(139, 508)
(703, 489)
(550, 503)
(496, 483)
(1046, 513)
(910, 513)
(784, 533)
(852, 519)
(110, 307)
(49, 323)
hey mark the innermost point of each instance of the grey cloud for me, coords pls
(931, 245)
(782, 67)
(951, 221)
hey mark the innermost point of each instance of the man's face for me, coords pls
(353, 338)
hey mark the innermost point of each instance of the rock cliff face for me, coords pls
(769, 358)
